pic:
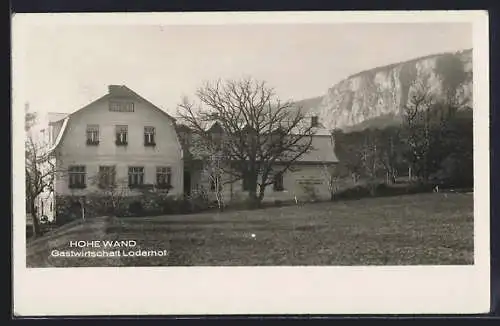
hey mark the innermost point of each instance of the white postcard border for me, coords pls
(258, 290)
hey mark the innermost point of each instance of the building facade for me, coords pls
(306, 179)
(123, 150)
(116, 148)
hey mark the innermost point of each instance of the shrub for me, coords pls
(356, 192)
(383, 190)
(197, 202)
(135, 208)
(185, 204)
(419, 187)
(72, 211)
(454, 173)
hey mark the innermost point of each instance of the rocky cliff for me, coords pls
(377, 96)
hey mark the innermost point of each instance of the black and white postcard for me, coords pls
(251, 163)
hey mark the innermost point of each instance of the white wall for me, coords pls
(293, 182)
(74, 150)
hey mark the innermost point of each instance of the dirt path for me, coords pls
(46, 250)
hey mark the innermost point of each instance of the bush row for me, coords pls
(166, 206)
(384, 190)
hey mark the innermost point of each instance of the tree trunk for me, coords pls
(220, 200)
(231, 192)
(262, 189)
(332, 187)
(36, 223)
(253, 198)
(372, 187)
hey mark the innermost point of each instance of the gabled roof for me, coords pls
(113, 91)
(214, 126)
(58, 138)
(322, 149)
(320, 130)
(54, 117)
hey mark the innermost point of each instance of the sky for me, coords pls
(66, 67)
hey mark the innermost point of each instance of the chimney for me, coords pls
(119, 90)
(114, 89)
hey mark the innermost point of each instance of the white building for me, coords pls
(121, 144)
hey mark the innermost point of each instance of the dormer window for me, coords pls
(92, 135)
(149, 136)
(121, 135)
(121, 106)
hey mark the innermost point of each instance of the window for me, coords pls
(107, 176)
(121, 135)
(92, 135)
(163, 177)
(215, 179)
(314, 121)
(149, 136)
(135, 176)
(121, 106)
(278, 182)
(77, 176)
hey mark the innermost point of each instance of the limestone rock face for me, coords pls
(382, 93)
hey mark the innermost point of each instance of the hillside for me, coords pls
(310, 103)
(376, 97)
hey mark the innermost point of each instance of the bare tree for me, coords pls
(389, 151)
(451, 71)
(213, 168)
(332, 177)
(347, 148)
(331, 174)
(262, 135)
(370, 159)
(419, 116)
(39, 169)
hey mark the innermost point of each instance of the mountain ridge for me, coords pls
(376, 97)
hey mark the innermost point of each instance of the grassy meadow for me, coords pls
(422, 229)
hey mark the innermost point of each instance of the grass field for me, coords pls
(430, 229)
